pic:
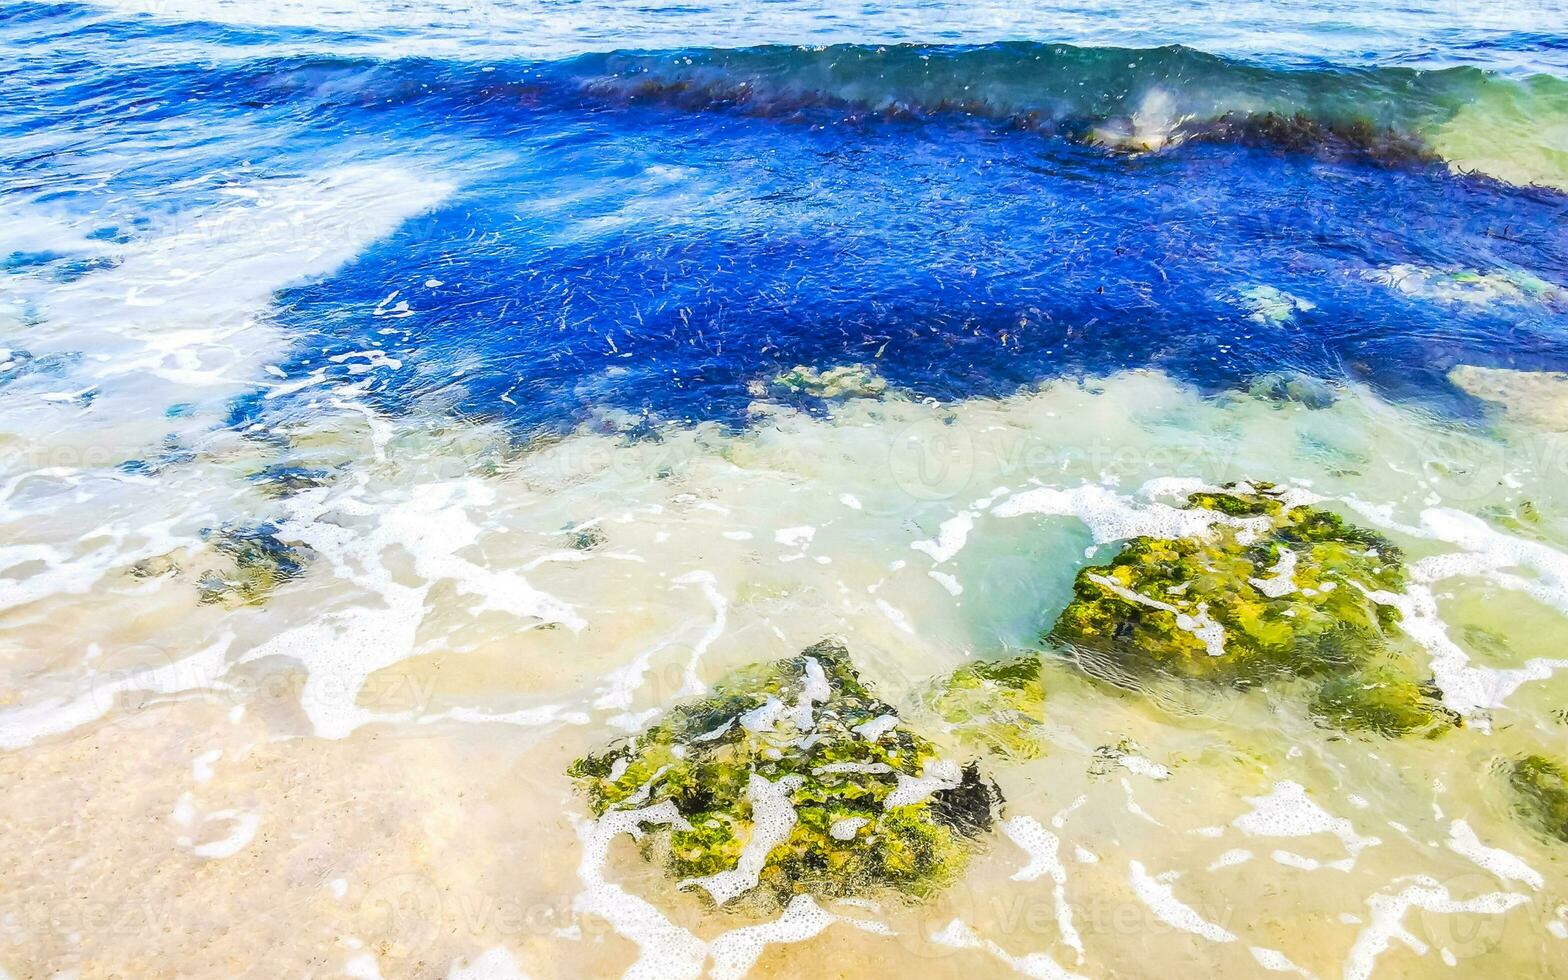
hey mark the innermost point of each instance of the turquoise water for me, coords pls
(401, 402)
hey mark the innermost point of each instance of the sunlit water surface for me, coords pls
(472, 319)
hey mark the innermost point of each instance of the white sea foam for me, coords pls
(1161, 899)
(242, 830)
(1388, 913)
(1289, 812)
(1486, 553)
(665, 950)
(201, 766)
(1506, 866)
(873, 730)
(1112, 517)
(1231, 858)
(959, 935)
(1043, 848)
(735, 952)
(1281, 580)
(27, 723)
(1276, 962)
(708, 583)
(184, 305)
(950, 537)
(936, 774)
(342, 648)
(772, 819)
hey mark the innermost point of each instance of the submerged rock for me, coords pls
(1524, 518)
(1272, 306)
(1541, 794)
(1537, 398)
(283, 480)
(1294, 387)
(1273, 591)
(845, 381)
(792, 778)
(1469, 286)
(998, 706)
(1382, 702)
(259, 562)
(584, 537)
(171, 453)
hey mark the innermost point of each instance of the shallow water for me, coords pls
(401, 404)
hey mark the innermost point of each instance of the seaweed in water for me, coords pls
(1382, 701)
(793, 778)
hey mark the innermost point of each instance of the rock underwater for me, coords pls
(843, 381)
(1276, 590)
(1541, 794)
(259, 562)
(997, 706)
(793, 778)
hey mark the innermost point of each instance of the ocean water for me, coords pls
(401, 402)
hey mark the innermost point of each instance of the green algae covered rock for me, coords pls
(997, 706)
(1272, 591)
(1541, 794)
(792, 778)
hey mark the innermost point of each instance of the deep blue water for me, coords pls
(655, 233)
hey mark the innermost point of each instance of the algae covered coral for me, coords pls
(1277, 589)
(793, 778)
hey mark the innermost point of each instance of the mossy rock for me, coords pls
(997, 706)
(799, 761)
(1272, 592)
(259, 562)
(1540, 789)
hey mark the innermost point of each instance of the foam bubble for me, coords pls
(1508, 867)
(1043, 848)
(1388, 913)
(773, 817)
(1289, 812)
(1161, 900)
